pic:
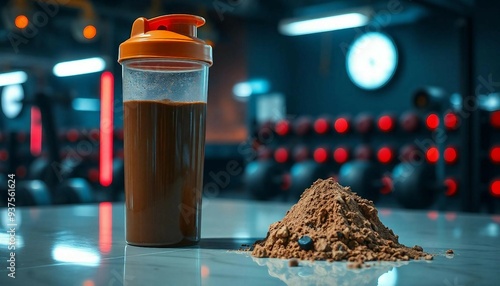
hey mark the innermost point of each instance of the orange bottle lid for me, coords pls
(170, 36)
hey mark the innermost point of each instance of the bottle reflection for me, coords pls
(156, 266)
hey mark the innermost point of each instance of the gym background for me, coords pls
(283, 110)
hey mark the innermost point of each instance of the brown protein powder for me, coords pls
(334, 224)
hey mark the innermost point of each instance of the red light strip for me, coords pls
(105, 226)
(106, 140)
(36, 132)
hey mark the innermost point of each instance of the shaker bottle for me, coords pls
(165, 80)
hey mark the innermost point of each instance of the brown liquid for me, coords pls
(164, 156)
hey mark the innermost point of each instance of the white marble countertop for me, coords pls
(84, 245)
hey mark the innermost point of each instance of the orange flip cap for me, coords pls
(170, 36)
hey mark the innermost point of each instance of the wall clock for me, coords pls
(371, 60)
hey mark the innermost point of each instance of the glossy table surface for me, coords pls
(84, 245)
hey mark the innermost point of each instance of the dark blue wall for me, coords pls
(311, 71)
(428, 55)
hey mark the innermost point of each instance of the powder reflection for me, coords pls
(332, 273)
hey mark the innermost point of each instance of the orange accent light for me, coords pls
(89, 32)
(21, 21)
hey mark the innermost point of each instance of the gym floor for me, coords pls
(85, 245)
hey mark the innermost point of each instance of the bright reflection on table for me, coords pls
(6, 219)
(491, 230)
(77, 255)
(6, 239)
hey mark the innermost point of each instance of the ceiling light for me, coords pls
(10, 78)
(79, 67)
(324, 22)
(254, 86)
(86, 104)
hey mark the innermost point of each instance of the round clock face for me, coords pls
(372, 60)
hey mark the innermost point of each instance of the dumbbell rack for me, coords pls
(385, 140)
(78, 155)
